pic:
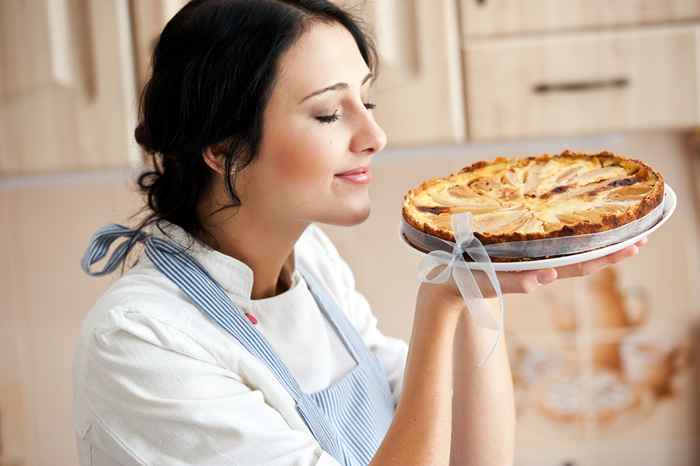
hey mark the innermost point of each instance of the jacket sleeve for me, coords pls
(157, 397)
(391, 351)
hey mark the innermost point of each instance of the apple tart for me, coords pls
(537, 197)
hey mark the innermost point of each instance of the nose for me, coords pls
(369, 137)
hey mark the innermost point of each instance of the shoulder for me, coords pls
(144, 306)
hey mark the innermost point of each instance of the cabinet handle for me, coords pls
(578, 86)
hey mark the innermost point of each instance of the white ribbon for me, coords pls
(457, 268)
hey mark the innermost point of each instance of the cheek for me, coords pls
(305, 161)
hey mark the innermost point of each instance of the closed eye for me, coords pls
(336, 116)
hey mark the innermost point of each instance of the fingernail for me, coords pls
(544, 277)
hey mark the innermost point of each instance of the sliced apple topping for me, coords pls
(604, 173)
(533, 179)
(570, 219)
(461, 190)
(511, 178)
(568, 175)
(483, 185)
(536, 196)
(533, 225)
(547, 216)
(632, 192)
(503, 221)
(596, 214)
(463, 199)
(570, 191)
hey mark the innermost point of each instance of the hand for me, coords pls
(529, 280)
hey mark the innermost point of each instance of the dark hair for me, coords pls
(213, 70)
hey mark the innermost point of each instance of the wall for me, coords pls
(47, 222)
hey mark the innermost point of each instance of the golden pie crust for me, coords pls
(545, 196)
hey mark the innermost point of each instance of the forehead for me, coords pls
(324, 55)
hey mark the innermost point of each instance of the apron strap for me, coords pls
(345, 328)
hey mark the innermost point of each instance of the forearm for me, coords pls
(421, 431)
(484, 412)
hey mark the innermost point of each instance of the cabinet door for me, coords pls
(500, 17)
(67, 98)
(45, 296)
(419, 92)
(583, 83)
(148, 20)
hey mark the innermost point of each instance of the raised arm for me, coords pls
(421, 431)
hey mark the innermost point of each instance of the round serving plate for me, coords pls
(670, 201)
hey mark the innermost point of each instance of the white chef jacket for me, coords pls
(156, 382)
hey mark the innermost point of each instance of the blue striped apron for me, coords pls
(349, 418)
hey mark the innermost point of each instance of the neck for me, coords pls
(263, 243)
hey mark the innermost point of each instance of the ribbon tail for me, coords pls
(432, 261)
(99, 245)
(477, 305)
(490, 351)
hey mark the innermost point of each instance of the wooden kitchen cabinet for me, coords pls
(583, 82)
(147, 21)
(626, 335)
(67, 96)
(419, 92)
(506, 17)
(69, 90)
(46, 295)
(419, 89)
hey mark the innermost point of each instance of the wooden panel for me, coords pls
(661, 279)
(148, 20)
(501, 17)
(13, 426)
(69, 104)
(668, 268)
(45, 296)
(43, 57)
(583, 83)
(14, 416)
(419, 90)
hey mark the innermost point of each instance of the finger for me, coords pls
(528, 281)
(624, 253)
(518, 282)
(510, 282)
(546, 276)
(642, 242)
(588, 267)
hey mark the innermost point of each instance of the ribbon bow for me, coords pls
(457, 268)
(103, 238)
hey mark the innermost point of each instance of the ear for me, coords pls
(214, 157)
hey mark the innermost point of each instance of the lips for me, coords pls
(354, 171)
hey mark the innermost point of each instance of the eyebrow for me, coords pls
(335, 87)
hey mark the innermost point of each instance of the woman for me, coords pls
(238, 338)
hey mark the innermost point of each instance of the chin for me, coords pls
(349, 216)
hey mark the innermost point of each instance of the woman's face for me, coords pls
(317, 124)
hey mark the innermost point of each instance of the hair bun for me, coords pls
(143, 138)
